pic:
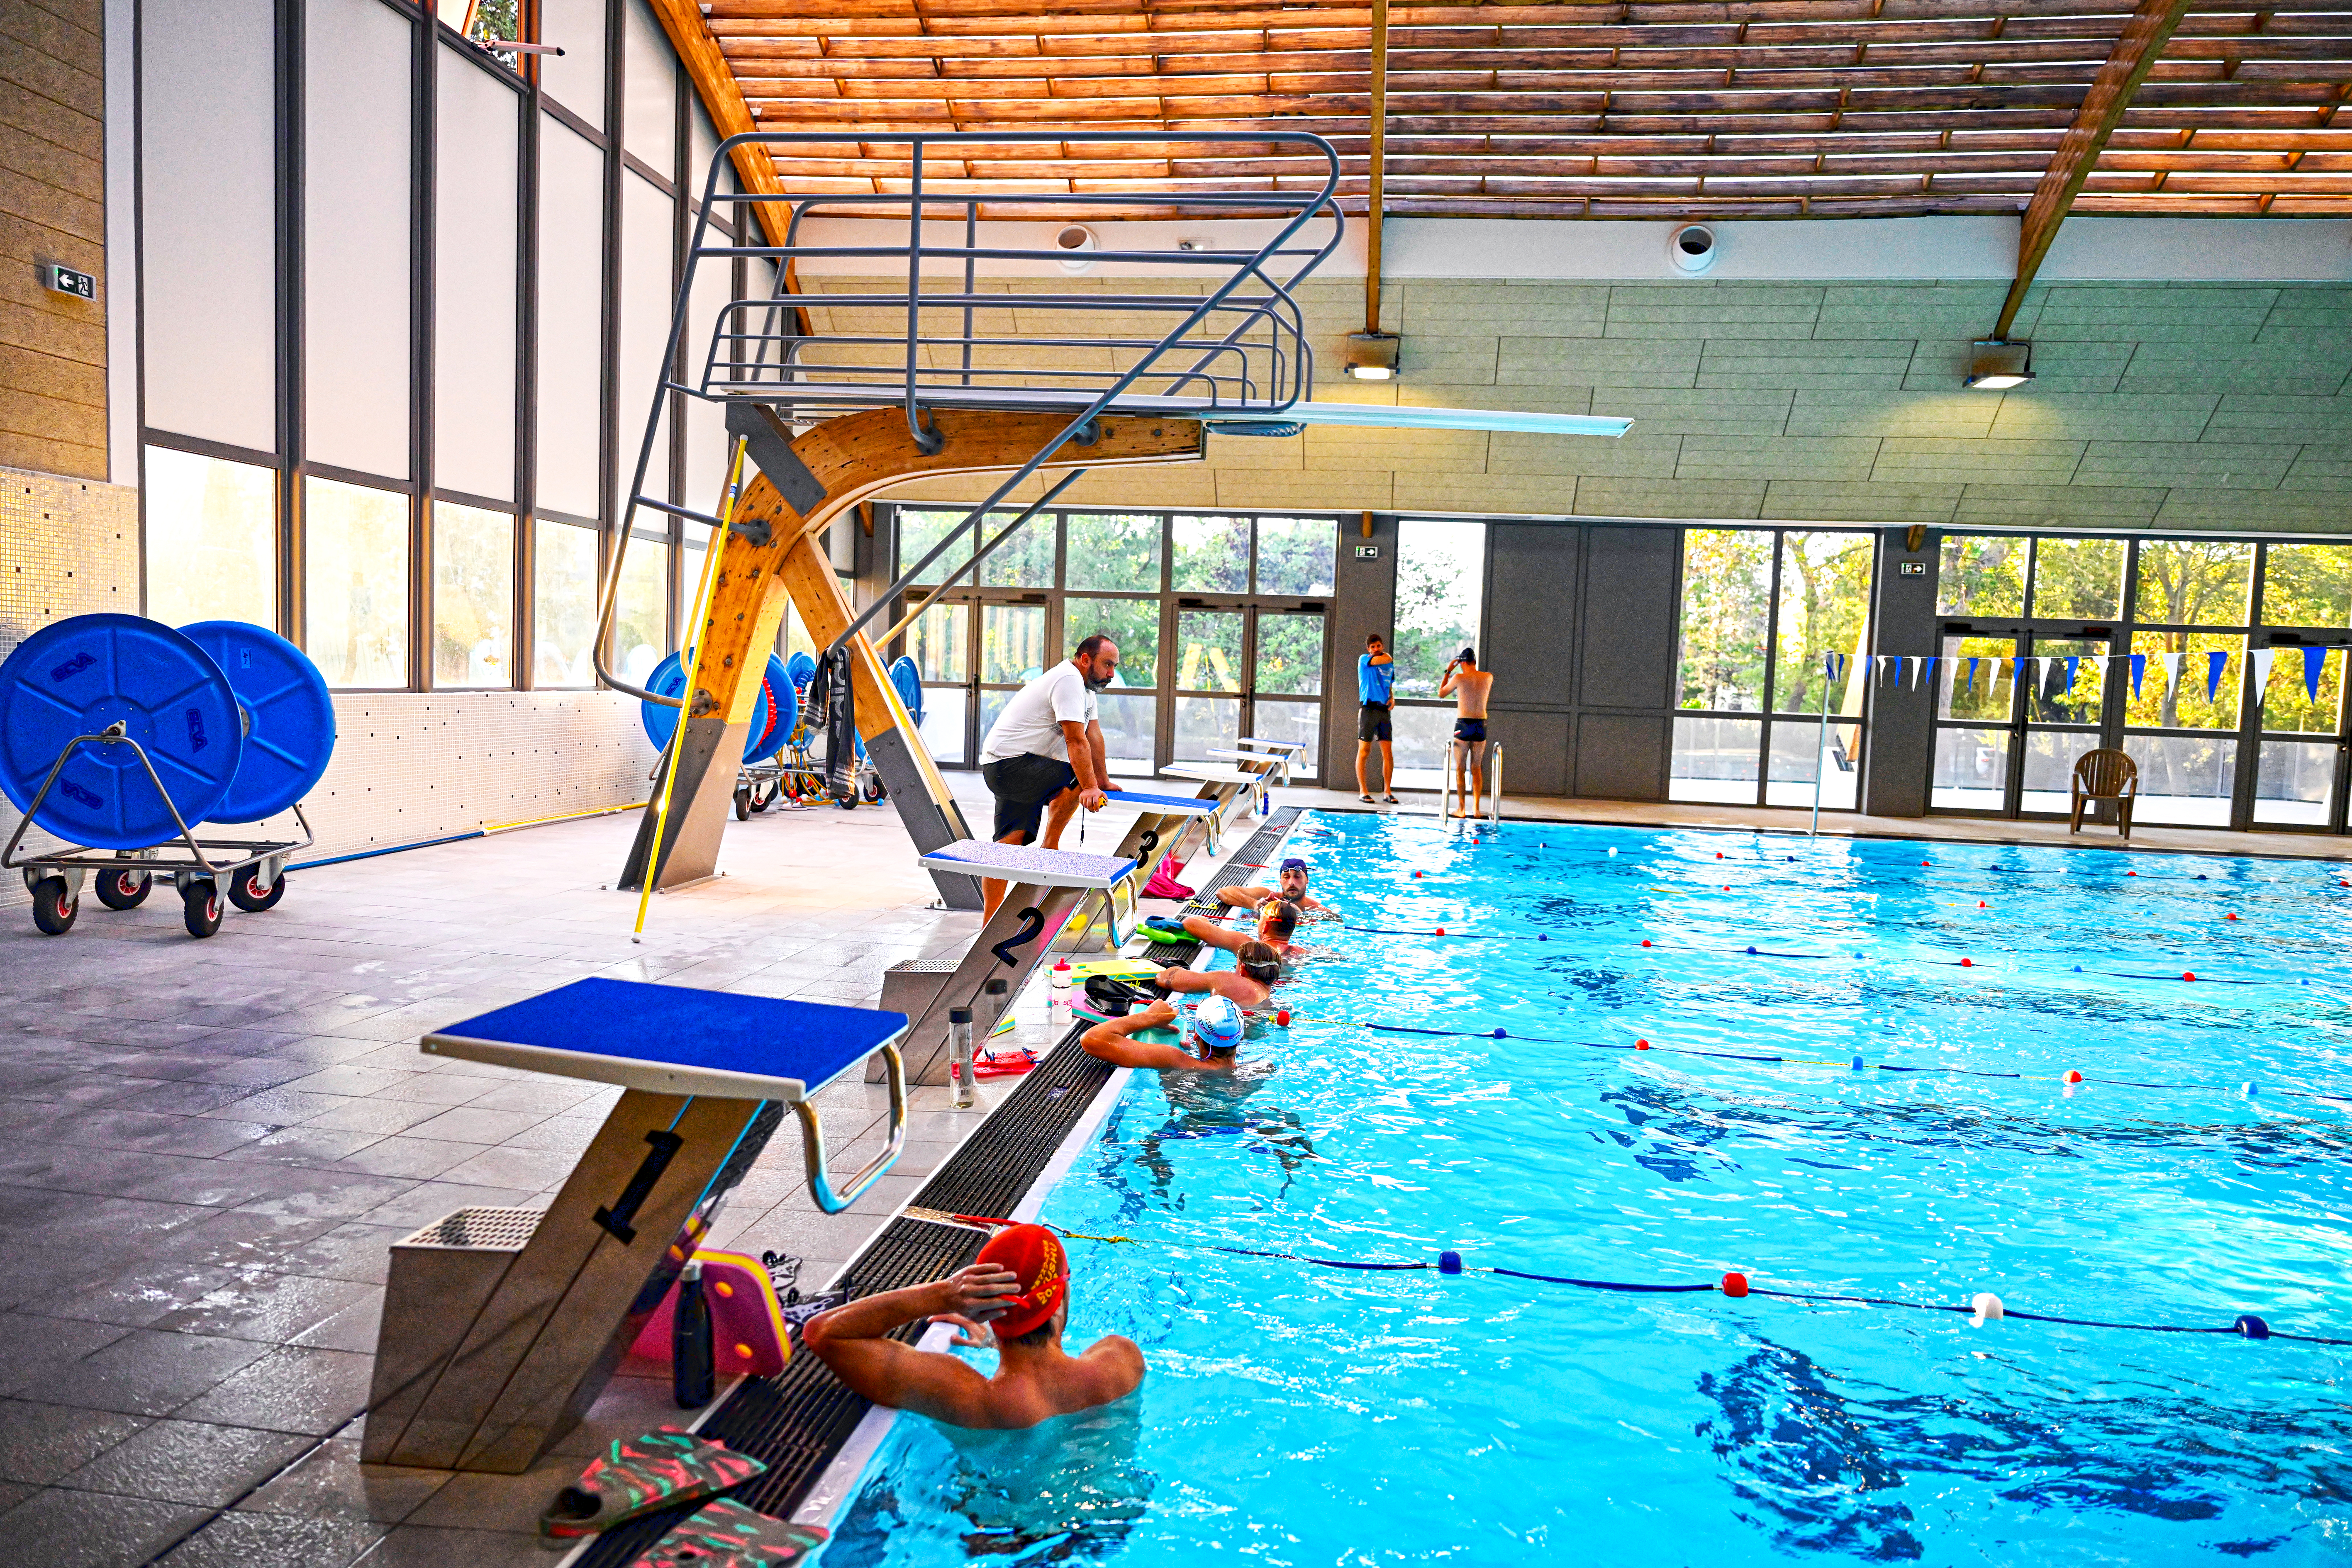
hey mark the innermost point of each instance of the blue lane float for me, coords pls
(81, 676)
(290, 717)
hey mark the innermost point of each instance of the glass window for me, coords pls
(574, 79)
(1208, 650)
(1294, 554)
(1976, 679)
(2066, 681)
(1012, 645)
(1981, 574)
(2194, 582)
(1289, 655)
(2294, 782)
(473, 596)
(2307, 585)
(563, 603)
(2174, 684)
(1206, 724)
(936, 642)
(1798, 749)
(648, 90)
(1441, 596)
(649, 294)
(1299, 722)
(1130, 727)
(1115, 551)
(1727, 594)
(571, 317)
(212, 539)
(355, 583)
(1023, 560)
(1971, 770)
(918, 531)
(2078, 580)
(640, 617)
(1824, 609)
(1716, 759)
(2305, 690)
(1132, 623)
(1212, 555)
(2184, 780)
(476, 171)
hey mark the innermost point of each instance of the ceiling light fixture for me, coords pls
(1373, 356)
(1995, 365)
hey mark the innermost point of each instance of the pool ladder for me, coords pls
(1494, 770)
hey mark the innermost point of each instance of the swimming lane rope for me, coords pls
(1855, 1065)
(1982, 1309)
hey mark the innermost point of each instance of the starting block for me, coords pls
(502, 1326)
(1228, 781)
(1046, 886)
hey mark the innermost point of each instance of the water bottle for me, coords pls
(692, 1372)
(959, 1057)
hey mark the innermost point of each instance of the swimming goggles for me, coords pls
(1294, 864)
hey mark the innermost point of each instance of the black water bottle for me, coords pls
(691, 1370)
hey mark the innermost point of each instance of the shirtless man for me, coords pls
(1019, 1290)
(1277, 918)
(1292, 878)
(1469, 687)
(1249, 982)
(1212, 1039)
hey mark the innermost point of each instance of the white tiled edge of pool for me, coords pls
(840, 1481)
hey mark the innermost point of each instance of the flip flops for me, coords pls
(729, 1535)
(637, 1475)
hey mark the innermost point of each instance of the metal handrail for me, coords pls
(813, 1142)
(1255, 358)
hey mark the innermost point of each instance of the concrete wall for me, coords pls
(52, 210)
(2169, 405)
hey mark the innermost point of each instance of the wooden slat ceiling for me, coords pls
(1824, 108)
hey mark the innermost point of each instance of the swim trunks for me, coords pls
(1023, 785)
(1470, 730)
(1373, 723)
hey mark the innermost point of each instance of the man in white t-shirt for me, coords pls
(1045, 755)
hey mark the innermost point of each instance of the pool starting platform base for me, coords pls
(502, 1325)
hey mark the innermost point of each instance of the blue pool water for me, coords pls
(1312, 1416)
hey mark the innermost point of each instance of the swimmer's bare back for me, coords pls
(1471, 689)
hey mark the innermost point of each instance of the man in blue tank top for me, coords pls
(1375, 687)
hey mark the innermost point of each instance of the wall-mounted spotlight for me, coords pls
(1373, 356)
(1076, 244)
(1995, 365)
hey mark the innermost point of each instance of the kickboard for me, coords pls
(747, 1325)
(729, 1535)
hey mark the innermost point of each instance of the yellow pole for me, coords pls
(693, 681)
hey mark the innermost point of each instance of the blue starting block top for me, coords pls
(1163, 805)
(675, 1040)
(1030, 865)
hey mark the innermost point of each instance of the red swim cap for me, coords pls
(1035, 1255)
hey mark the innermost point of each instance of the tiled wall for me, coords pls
(53, 175)
(2163, 404)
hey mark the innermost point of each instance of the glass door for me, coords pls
(1207, 682)
(1976, 721)
(1286, 681)
(940, 645)
(2303, 755)
(2063, 703)
(1011, 655)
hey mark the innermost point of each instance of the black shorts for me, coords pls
(1470, 730)
(1023, 785)
(1372, 723)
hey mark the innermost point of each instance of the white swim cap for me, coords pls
(1218, 1023)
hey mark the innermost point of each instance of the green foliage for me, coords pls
(1116, 552)
(2194, 582)
(2307, 585)
(1209, 650)
(1440, 599)
(1212, 555)
(1295, 555)
(1289, 655)
(1981, 574)
(1726, 598)
(1824, 609)
(2078, 580)
(1132, 623)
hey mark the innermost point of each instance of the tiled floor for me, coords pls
(208, 1146)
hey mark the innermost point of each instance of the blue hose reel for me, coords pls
(119, 733)
(773, 712)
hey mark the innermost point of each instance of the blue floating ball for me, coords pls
(1857, 1064)
(1541, 938)
(2202, 877)
(2251, 1327)
(2078, 968)
(1751, 949)
(1451, 1263)
(1502, 1034)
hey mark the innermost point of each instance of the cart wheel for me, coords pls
(124, 889)
(201, 908)
(873, 788)
(764, 796)
(742, 805)
(245, 891)
(53, 911)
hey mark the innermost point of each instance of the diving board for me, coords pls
(502, 1326)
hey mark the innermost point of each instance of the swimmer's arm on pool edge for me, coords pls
(1108, 1042)
(851, 1340)
(1242, 990)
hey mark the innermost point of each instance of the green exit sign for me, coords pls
(66, 280)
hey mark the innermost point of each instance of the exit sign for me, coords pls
(66, 280)
(1910, 568)
(1368, 552)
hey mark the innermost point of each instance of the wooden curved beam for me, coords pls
(773, 552)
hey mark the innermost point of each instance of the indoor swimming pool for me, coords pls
(1887, 1114)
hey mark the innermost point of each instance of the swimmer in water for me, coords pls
(1250, 982)
(1291, 876)
(1213, 1038)
(1019, 1291)
(1277, 918)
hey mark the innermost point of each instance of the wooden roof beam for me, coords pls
(2143, 38)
